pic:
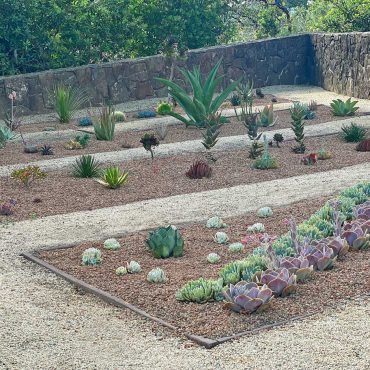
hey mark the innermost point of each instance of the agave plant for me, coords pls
(202, 105)
(86, 166)
(281, 282)
(343, 108)
(113, 178)
(357, 234)
(6, 134)
(198, 170)
(247, 298)
(166, 242)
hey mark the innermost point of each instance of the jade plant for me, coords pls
(91, 257)
(247, 298)
(156, 275)
(165, 242)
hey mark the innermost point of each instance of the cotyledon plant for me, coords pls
(247, 298)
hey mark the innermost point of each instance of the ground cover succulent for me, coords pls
(27, 175)
(200, 291)
(221, 237)
(91, 257)
(247, 297)
(264, 212)
(165, 242)
(112, 244)
(215, 222)
(213, 258)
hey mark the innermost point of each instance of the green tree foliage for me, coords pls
(41, 34)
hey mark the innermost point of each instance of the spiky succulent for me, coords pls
(112, 244)
(122, 270)
(353, 133)
(200, 291)
(278, 138)
(215, 222)
(256, 228)
(264, 212)
(133, 267)
(91, 257)
(213, 258)
(165, 242)
(221, 237)
(343, 108)
(156, 275)
(199, 169)
(46, 150)
(357, 234)
(282, 283)
(247, 298)
(236, 247)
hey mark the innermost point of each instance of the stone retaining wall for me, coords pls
(337, 62)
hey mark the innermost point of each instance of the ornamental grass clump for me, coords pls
(165, 242)
(66, 101)
(27, 175)
(113, 178)
(105, 126)
(246, 298)
(86, 167)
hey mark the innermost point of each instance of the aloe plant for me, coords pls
(113, 178)
(343, 108)
(202, 105)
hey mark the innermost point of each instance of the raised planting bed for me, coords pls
(210, 323)
(61, 193)
(14, 152)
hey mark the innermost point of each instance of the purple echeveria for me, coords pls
(281, 282)
(357, 234)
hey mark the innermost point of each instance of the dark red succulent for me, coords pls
(363, 146)
(198, 170)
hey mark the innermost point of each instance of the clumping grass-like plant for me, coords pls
(66, 101)
(104, 128)
(86, 167)
(113, 178)
(353, 133)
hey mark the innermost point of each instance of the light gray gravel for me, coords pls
(190, 146)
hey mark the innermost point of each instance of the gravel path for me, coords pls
(190, 146)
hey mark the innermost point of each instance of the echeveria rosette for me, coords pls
(166, 242)
(339, 245)
(221, 237)
(247, 297)
(362, 212)
(299, 266)
(320, 256)
(281, 282)
(215, 222)
(357, 234)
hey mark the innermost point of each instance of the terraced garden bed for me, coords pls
(61, 193)
(348, 278)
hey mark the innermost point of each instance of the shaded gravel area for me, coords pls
(13, 153)
(61, 193)
(349, 277)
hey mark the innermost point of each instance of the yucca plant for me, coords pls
(353, 133)
(113, 178)
(343, 108)
(202, 105)
(86, 167)
(66, 101)
(104, 128)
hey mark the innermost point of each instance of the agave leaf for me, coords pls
(215, 105)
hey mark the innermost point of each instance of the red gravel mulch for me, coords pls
(349, 277)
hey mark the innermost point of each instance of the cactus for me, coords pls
(264, 212)
(133, 267)
(112, 244)
(119, 116)
(221, 238)
(91, 257)
(215, 223)
(122, 270)
(156, 275)
(236, 247)
(213, 258)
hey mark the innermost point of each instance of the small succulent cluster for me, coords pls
(133, 267)
(221, 237)
(121, 270)
(264, 212)
(215, 222)
(236, 247)
(91, 257)
(213, 258)
(353, 133)
(308, 113)
(28, 175)
(309, 159)
(199, 170)
(258, 227)
(343, 108)
(85, 121)
(266, 116)
(323, 154)
(112, 244)
(165, 242)
(46, 150)
(200, 291)
(156, 275)
(266, 161)
(146, 114)
(363, 146)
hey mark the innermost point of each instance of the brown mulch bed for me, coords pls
(348, 278)
(61, 193)
(13, 153)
